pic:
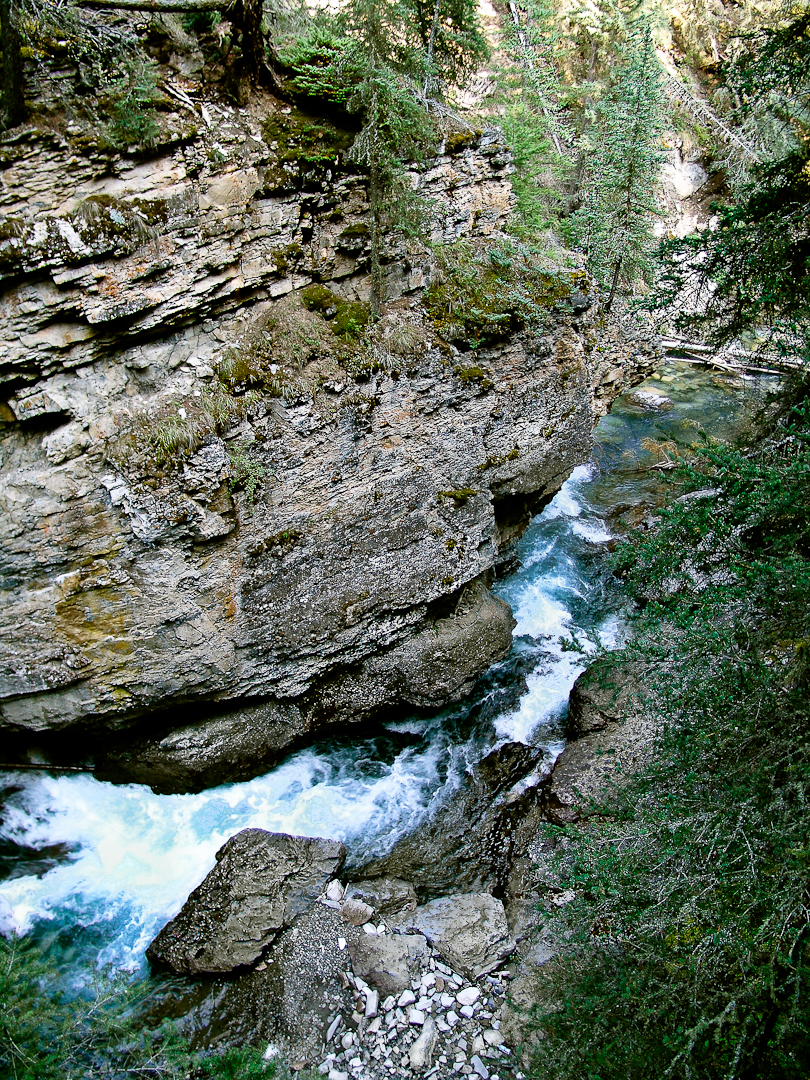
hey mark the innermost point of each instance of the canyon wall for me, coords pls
(217, 564)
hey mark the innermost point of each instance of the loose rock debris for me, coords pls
(438, 1023)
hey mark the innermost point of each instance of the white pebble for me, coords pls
(333, 1028)
(452, 1019)
(468, 1011)
(416, 1016)
(479, 1067)
(407, 997)
(334, 890)
(468, 996)
(447, 1001)
(348, 1040)
(341, 943)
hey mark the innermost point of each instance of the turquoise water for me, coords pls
(94, 869)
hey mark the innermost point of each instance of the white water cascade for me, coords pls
(102, 867)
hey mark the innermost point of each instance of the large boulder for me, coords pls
(469, 843)
(470, 932)
(605, 693)
(389, 963)
(612, 735)
(289, 999)
(386, 895)
(260, 883)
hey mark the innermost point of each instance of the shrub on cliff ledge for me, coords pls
(50, 1033)
(483, 293)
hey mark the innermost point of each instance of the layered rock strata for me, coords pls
(311, 552)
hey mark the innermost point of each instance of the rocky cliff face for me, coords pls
(229, 517)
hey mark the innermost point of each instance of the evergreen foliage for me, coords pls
(614, 223)
(47, 1033)
(451, 36)
(753, 271)
(396, 127)
(687, 949)
(532, 121)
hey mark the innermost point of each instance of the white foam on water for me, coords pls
(596, 531)
(543, 602)
(137, 855)
(546, 698)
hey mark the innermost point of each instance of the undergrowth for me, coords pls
(482, 294)
(686, 952)
(49, 1033)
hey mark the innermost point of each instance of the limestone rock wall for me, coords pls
(355, 577)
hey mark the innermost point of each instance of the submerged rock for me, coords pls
(651, 400)
(470, 932)
(261, 882)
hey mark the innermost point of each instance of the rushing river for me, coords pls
(94, 869)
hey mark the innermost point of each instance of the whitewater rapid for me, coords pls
(101, 868)
(128, 857)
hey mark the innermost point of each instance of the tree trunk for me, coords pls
(13, 106)
(614, 284)
(432, 45)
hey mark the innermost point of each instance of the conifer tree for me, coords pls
(753, 271)
(614, 224)
(384, 68)
(451, 36)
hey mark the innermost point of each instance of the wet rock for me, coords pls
(470, 842)
(260, 883)
(603, 694)
(650, 400)
(386, 895)
(613, 738)
(470, 932)
(389, 963)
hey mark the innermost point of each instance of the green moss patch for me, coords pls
(460, 496)
(499, 459)
(461, 140)
(347, 318)
(305, 149)
(482, 293)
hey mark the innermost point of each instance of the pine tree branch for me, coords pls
(159, 5)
